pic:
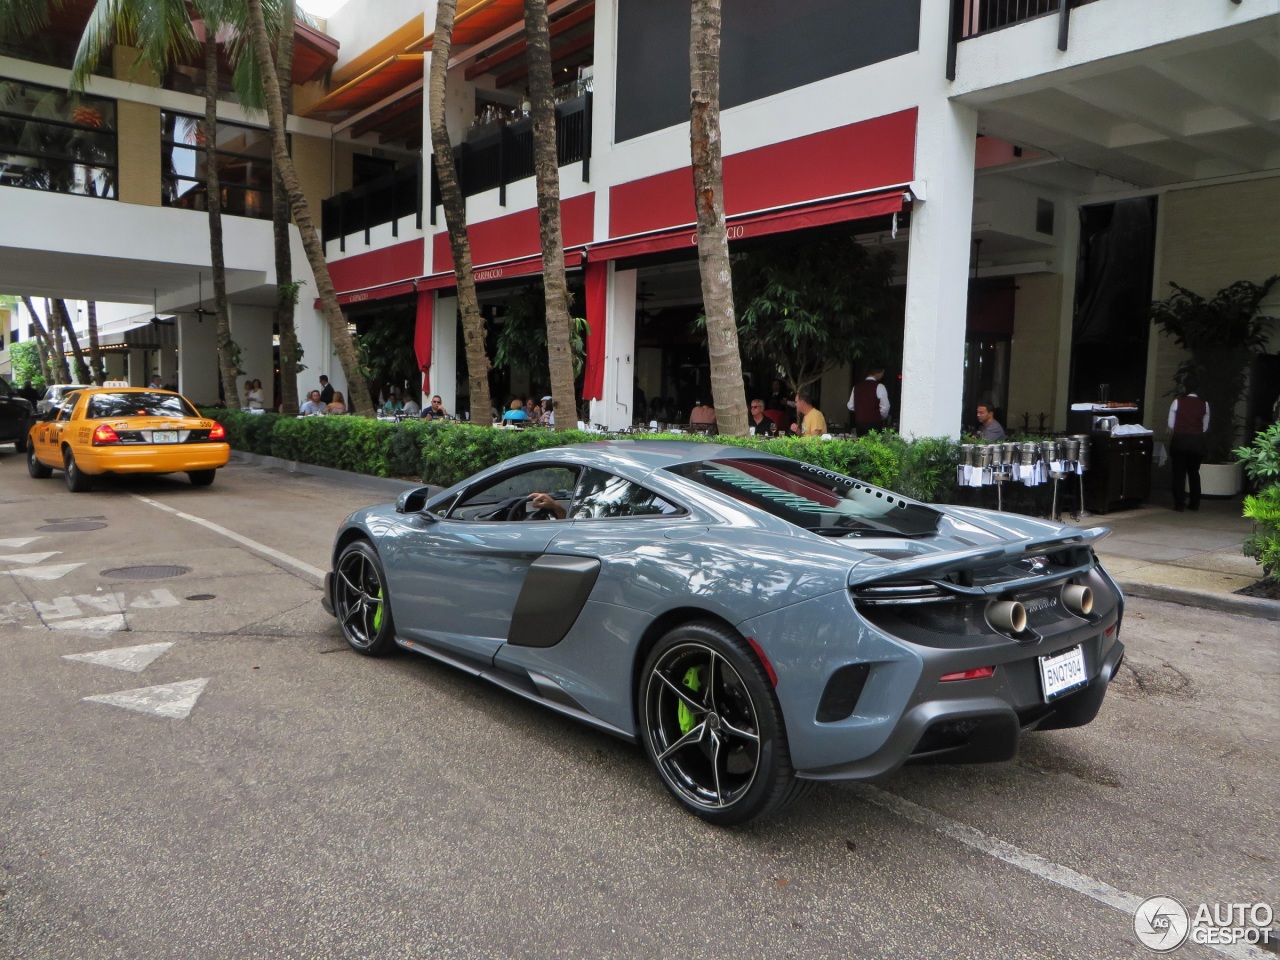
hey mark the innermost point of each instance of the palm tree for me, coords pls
(52, 365)
(57, 347)
(64, 321)
(286, 289)
(343, 344)
(727, 387)
(546, 169)
(455, 216)
(98, 366)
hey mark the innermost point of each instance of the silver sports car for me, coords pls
(757, 623)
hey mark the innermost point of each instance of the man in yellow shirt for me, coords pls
(812, 423)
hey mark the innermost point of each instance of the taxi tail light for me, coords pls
(105, 433)
(219, 432)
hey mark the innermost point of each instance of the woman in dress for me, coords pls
(253, 395)
(336, 405)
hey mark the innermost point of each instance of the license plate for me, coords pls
(1062, 673)
(164, 436)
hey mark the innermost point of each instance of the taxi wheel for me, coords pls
(77, 481)
(35, 467)
(201, 478)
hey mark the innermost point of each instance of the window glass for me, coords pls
(67, 404)
(500, 499)
(814, 498)
(243, 156)
(5, 389)
(110, 406)
(57, 141)
(603, 495)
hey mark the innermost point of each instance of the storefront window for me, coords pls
(53, 140)
(243, 155)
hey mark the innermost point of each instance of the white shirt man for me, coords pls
(313, 406)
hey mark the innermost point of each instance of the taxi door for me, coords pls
(48, 433)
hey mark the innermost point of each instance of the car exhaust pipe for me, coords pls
(1077, 599)
(1007, 616)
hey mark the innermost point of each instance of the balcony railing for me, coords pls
(972, 18)
(498, 157)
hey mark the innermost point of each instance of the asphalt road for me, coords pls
(300, 801)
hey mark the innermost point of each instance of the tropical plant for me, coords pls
(1261, 462)
(53, 364)
(455, 214)
(727, 386)
(58, 308)
(521, 341)
(26, 363)
(1219, 336)
(811, 306)
(547, 173)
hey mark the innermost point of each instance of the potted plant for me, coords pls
(1262, 463)
(1219, 336)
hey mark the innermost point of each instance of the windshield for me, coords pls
(819, 500)
(111, 406)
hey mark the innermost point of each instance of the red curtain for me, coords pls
(597, 282)
(422, 337)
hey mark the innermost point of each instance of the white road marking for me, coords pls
(60, 608)
(54, 572)
(16, 543)
(172, 700)
(133, 659)
(12, 612)
(111, 623)
(1126, 903)
(29, 557)
(261, 548)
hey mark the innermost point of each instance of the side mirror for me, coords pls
(412, 501)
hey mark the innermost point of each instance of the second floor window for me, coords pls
(57, 141)
(243, 155)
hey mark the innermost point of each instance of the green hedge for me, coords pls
(444, 453)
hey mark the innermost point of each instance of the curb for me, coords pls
(1222, 602)
(387, 485)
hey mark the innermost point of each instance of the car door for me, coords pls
(48, 432)
(454, 575)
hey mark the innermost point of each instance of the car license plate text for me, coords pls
(164, 436)
(1062, 673)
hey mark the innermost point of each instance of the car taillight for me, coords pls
(105, 433)
(219, 432)
(977, 673)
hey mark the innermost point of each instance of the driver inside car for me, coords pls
(545, 502)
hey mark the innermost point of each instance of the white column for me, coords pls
(938, 271)
(1067, 255)
(317, 352)
(251, 330)
(168, 364)
(444, 353)
(615, 410)
(198, 359)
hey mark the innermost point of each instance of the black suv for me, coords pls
(16, 416)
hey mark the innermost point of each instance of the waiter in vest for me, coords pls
(1189, 423)
(869, 402)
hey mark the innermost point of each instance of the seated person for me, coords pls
(411, 408)
(813, 424)
(392, 406)
(548, 417)
(515, 412)
(336, 405)
(313, 407)
(758, 423)
(544, 501)
(702, 413)
(435, 411)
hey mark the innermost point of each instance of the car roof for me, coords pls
(650, 455)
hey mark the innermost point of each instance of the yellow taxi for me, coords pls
(98, 430)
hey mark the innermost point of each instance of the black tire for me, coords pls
(77, 480)
(34, 467)
(361, 601)
(712, 727)
(201, 478)
(21, 443)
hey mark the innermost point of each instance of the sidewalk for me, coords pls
(1191, 557)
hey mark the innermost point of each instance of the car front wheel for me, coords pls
(34, 467)
(360, 600)
(712, 726)
(77, 480)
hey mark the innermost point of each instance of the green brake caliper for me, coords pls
(685, 716)
(377, 614)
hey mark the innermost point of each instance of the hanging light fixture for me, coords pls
(200, 310)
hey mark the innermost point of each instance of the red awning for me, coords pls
(877, 203)
(398, 289)
(489, 272)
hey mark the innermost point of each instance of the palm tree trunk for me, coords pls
(99, 371)
(546, 168)
(286, 291)
(48, 370)
(727, 388)
(228, 351)
(64, 319)
(455, 216)
(57, 348)
(343, 345)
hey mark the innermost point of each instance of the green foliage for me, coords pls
(1219, 335)
(1262, 465)
(813, 305)
(521, 342)
(386, 351)
(24, 359)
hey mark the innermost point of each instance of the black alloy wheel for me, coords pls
(360, 600)
(34, 467)
(77, 480)
(712, 726)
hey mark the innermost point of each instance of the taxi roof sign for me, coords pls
(115, 383)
